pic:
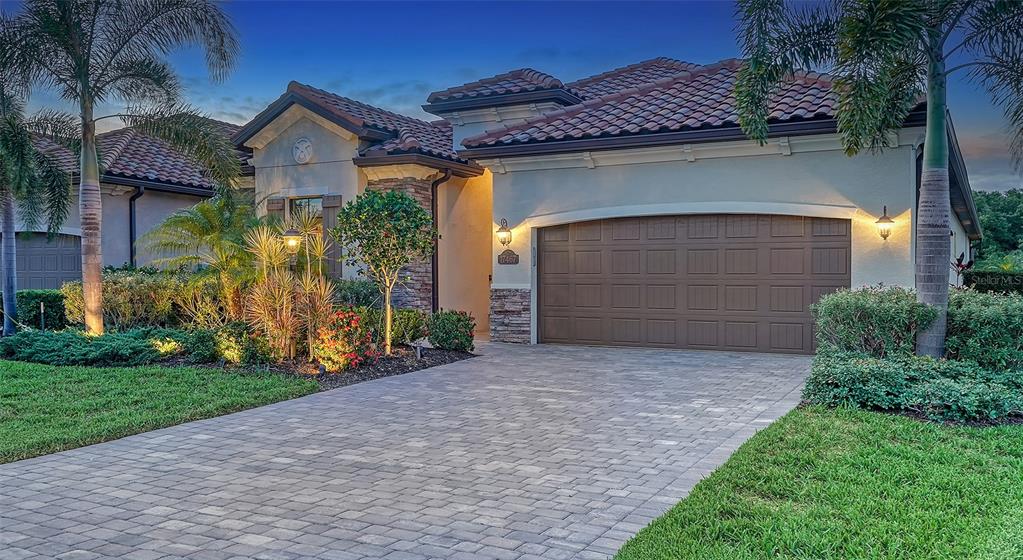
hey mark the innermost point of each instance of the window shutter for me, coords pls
(275, 208)
(331, 206)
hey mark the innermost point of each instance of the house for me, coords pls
(143, 181)
(637, 212)
(626, 208)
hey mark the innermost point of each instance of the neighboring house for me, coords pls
(639, 212)
(143, 181)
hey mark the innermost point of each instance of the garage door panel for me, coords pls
(47, 264)
(739, 282)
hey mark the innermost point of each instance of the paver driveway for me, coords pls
(525, 452)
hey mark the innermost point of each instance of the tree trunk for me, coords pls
(388, 288)
(933, 253)
(90, 207)
(9, 260)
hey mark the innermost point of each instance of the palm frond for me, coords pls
(194, 135)
(776, 40)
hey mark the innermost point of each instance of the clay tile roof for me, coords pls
(128, 153)
(632, 75)
(411, 135)
(698, 98)
(516, 81)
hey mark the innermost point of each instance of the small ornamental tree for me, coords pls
(384, 232)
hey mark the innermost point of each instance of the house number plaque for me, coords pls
(508, 257)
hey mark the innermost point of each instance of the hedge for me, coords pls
(28, 309)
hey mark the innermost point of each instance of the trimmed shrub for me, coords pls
(986, 328)
(994, 281)
(878, 321)
(947, 390)
(202, 346)
(357, 293)
(130, 300)
(452, 330)
(344, 343)
(237, 344)
(28, 309)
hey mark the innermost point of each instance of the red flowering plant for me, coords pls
(344, 342)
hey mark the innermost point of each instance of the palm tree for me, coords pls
(209, 236)
(95, 51)
(30, 179)
(886, 56)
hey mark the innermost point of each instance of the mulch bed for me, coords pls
(402, 360)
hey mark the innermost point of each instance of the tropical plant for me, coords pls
(885, 55)
(384, 232)
(96, 51)
(31, 179)
(209, 238)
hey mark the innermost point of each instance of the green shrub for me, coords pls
(840, 378)
(130, 300)
(994, 280)
(357, 293)
(941, 389)
(408, 326)
(236, 343)
(879, 321)
(452, 330)
(986, 328)
(28, 309)
(202, 346)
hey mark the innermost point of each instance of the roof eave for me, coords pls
(560, 96)
(959, 185)
(719, 134)
(458, 169)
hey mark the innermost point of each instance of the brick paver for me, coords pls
(527, 452)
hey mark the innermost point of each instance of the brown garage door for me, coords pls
(46, 264)
(721, 281)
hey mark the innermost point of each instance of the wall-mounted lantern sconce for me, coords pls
(504, 235)
(292, 240)
(884, 224)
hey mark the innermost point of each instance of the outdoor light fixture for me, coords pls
(884, 224)
(292, 240)
(503, 233)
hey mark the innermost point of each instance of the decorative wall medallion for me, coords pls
(508, 257)
(302, 151)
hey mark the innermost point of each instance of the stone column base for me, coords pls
(510, 314)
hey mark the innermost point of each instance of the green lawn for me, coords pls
(837, 484)
(44, 409)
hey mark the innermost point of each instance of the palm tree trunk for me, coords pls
(90, 206)
(933, 253)
(8, 257)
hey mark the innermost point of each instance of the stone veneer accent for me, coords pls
(510, 314)
(416, 287)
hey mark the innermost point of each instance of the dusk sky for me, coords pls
(393, 54)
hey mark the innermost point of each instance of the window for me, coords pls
(312, 207)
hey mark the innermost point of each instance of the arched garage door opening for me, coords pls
(710, 281)
(46, 264)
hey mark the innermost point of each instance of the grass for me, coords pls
(44, 409)
(837, 484)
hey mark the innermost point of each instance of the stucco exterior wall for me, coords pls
(960, 244)
(810, 181)
(151, 209)
(464, 219)
(808, 176)
(329, 171)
